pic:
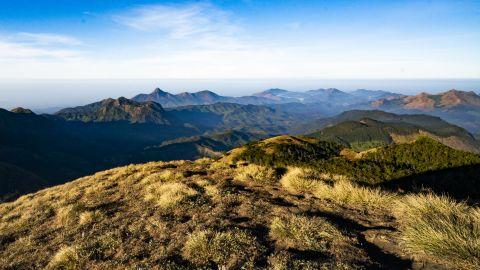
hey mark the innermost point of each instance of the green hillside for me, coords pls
(362, 130)
(286, 150)
(422, 165)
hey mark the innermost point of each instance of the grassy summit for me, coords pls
(234, 213)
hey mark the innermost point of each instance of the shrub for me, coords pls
(257, 174)
(232, 249)
(66, 258)
(439, 227)
(304, 233)
(169, 194)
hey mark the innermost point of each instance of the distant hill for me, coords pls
(224, 116)
(459, 107)
(330, 96)
(372, 95)
(364, 129)
(120, 109)
(216, 117)
(205, 97)
(369, 133)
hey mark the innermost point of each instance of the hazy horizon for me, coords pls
(48, 95)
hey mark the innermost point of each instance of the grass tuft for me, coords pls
(304, 233)
(66, 258)
(168, 195)
(256, 174)
(354, 196)
(306, 181)
(163, 176)
(441, 228)
(90, 217)
(300, 180)
(234, 249)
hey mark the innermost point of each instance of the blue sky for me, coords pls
(118, 39)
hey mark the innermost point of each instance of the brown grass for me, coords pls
(169, 195)
(228, 250)
(441, 228)
(336, 189)
(304, 233)
(256, 174)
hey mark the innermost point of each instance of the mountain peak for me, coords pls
(158, 91)
(207, 93)
(21, 110)
(121, 109)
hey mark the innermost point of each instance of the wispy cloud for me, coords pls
(30, 46)
(47, 39)
(179, 21)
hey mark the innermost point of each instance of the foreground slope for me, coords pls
(233, 215)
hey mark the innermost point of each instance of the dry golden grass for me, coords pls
(304, 233)
(300, 180)
(163, 176)
(169, 194)
(141, 216)
(66, 258)
(336, 189)
(442, 228)
(90, 217)
(354, 196)
(256, 174)
(234, 249)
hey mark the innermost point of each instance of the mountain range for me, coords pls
(114, 132)
(271, 96)
(459, 107)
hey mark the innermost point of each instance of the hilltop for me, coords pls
(459, 107)
(234, 213)
(120, 109)
(364, 129)
(369, 133)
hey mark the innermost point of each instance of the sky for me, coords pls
(268, 41)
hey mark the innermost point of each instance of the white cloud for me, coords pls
(179, 21)
(33, 46)
(47, 39)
